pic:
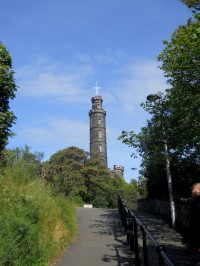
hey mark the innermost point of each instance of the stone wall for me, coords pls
(161, 208)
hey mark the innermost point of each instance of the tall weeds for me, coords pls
(35, 225)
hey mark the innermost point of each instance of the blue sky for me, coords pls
(60, 48)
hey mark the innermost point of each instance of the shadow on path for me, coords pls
(101, 241)
(176, 247)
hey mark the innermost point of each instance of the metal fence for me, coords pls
(131, 224)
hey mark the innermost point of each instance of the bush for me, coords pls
(100, 202)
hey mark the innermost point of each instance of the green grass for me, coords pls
(35, 225)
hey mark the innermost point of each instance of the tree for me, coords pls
(149, 144)
(193, 4)
(98, 183)
(176, 119)
(64, 171)
(74, 174)
(142, 187)
(7, 93)
(181, 64)
(103, 188)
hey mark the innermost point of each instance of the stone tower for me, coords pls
(98, 128)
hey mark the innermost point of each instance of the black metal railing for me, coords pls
(131, 224)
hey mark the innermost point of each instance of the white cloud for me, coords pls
(140, 79)
(83, 57)
(53, 134)
(55, 80)
(68, 83)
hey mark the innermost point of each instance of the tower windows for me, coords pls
(99, 121)
(100, 135)
(100, 148)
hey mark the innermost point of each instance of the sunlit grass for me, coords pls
(35, 224)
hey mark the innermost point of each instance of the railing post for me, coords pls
(145, 250)
(120, 207)
(123, 215)
(136, 246)
(131, 243)
(129, 226)
(160, 248)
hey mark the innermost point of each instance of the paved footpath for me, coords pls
(101, 241)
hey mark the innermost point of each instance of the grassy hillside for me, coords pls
(35, 224)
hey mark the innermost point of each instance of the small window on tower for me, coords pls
(100, 148)
(99, 121)
(100, 136)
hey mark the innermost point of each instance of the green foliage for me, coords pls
(7, 93)
(97, 179)
(27, 162)
(102, 187)
(141, 186)
(175, 117)
(72, 173)
(35, 224)
(99, 202)
(194, 4)
(64, 171)
(180, 57)
(181, 64)
(129, 194)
